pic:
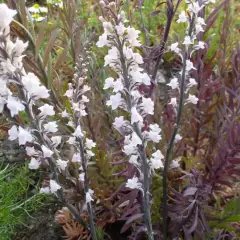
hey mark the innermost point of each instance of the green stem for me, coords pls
(172, 139)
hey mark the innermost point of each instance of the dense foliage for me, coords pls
(132, 130)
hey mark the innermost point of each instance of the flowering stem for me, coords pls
(174, 133)
(40, 64)
(141, 149)
(86, 188)
(51, 161)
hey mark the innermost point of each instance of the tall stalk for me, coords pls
(141, 150)
(86, 188)
(174, 133)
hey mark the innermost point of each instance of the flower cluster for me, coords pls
(42, 137)
(126, 90)
(83, 146)
(189, 45)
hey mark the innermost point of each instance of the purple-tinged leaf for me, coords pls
(128, 223)
(190, 191)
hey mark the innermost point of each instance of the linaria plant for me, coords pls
(156, 135)
(122, 41)
(183, 81)
(41, 137)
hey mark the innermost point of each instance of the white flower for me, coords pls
(47, 153)
(182, 17)
(76, 157)
(173, 102)
(192, 99)
(132, 36)
(54, 186)
(46, 110)
(109, 83)
(136, 140)
(32, 85)
(189, 65)
(178, 138)
(7, 66)
(56, 140)
(89, 154)
(34, 164)
(174, 164)
(112, 56)
(133, 160)
(137, 58)
(44, 190)
(69, 93)
(201, 21)
(134, 183)
(14, 106)
(120, 29)
(62, 164)
(130, 149)
(173, 83)
(71, 124)
(34, 9)
(102, 41)
(4, 91)
(119, 122)
(156, 160)
(90, 143)
(81, 177)
(20, 47)
(136, 94)
(195, 7)
(187, 40)
(89, 195)
(51, 127)
(115, 101)
(86, 88)
(158, 155)
(192, 82)
(24, 136)
(147, 105)
(31, 151)
(117, 85)
(13, 133)
(108, 27)
(78, 132)
(135, 116)
(71, 140)
(85, 99)
(155, 127)
(64, 114)
(2, 103)
(154, 136)
(139, 77)
(199, 28)
(211, 1)
(174, 48)
(200, 45)
(6, 14)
